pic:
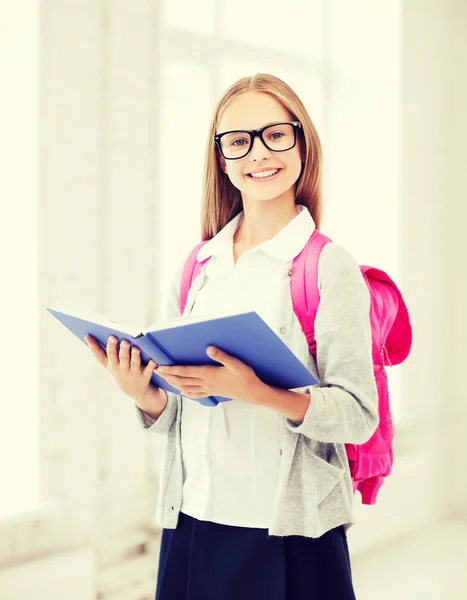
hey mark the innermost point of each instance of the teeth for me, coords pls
(264, 173)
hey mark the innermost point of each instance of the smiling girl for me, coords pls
(256, 496)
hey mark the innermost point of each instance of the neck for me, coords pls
(262, 220)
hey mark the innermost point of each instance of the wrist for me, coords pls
(258, 393)
(153, 402)
(288, 403)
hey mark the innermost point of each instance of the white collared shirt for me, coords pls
(231, 453)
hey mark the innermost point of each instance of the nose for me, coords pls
(259, 151)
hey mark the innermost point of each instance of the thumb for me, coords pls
(219, 355)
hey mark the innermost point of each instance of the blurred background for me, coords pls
(104, 112)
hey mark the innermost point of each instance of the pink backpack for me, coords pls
(372, 461)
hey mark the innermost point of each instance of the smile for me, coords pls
(268, 175)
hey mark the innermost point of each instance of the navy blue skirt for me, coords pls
(201, 560)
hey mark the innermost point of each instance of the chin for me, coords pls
(263, 199)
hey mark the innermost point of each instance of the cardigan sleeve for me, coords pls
(343, 408)
(169, 414)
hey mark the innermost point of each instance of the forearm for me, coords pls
(292, 405)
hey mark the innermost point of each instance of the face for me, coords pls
(252, 111)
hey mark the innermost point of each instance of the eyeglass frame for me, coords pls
(253, 133)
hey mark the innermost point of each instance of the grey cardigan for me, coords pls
(314, 491)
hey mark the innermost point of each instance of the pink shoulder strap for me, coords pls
(304, 285)
(190, 271)
(304, 282)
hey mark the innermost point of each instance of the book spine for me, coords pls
(206, 400)
(168, 358)
(151, 349)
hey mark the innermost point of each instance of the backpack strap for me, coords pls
(190, 271)
(304, 285)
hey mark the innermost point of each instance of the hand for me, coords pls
(234, 379)
(125, 368)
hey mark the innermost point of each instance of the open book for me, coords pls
(184, 341)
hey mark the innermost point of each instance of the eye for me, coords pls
(241, 140)
(277, 135)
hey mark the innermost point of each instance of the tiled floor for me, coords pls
(68, 576)
(429, 566)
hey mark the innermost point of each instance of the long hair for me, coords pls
(221, 200)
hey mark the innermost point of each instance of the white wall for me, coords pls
(96, 252)
(428, 480)
(452, 217)
(18, 253)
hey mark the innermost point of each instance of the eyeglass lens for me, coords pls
(277, 138)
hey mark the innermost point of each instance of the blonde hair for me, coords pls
(221, 200)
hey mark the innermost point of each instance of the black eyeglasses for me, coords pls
(278, 137)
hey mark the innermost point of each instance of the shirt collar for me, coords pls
(285, 245)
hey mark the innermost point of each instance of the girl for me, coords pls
(256, 495)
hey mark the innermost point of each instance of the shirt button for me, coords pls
(283, 329)
(290, 272)
(280, 451)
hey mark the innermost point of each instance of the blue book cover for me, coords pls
(184, 342)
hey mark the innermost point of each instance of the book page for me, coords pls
(135, 333)
(104, 321)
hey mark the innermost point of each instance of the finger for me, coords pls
(197, 372)
(177, 380)
(193, 392)
(125, 355)
(148, 369)
(96, 349)
(135, 360)
(112, 351)
(220, 356)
